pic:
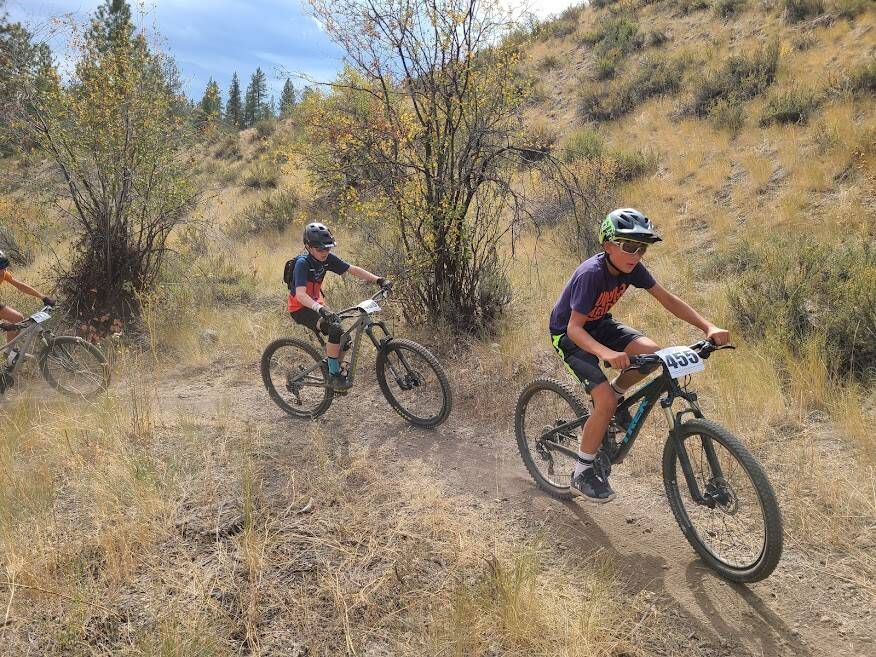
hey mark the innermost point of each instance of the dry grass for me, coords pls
(145, 530)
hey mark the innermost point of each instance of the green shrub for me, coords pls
(792, 106)
(728, 8)
(686, 7)
(740, 78)
(608, 64)
(261, 175)
(584, 144)
(728, 113)
(851, 8)
(795, 289)
(228, 148)
(634, 164)
(656, 38)
(862, 79)
(549, 63)
(798, 10)
(274, 212)
(620, 32)
(264, 128)
(653, 76)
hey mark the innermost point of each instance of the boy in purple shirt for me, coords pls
(584, 332)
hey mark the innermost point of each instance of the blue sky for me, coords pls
(214, 38)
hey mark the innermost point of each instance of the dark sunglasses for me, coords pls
(631, 247)
(322, 249)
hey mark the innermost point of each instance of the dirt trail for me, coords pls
(797, 611)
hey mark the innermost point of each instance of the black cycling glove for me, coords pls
(384, 283)
(329, 316)
(48, 301)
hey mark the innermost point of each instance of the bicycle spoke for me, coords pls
(544, 411)
(733, 528)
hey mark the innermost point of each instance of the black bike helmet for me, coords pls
(4, 261)
(318, 235)
(628, 224)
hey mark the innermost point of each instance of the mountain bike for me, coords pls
(71, 365)
(410, 377)
(718, 492)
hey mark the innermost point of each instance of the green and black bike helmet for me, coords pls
(318, 235)
(4, 261)
(627, 224)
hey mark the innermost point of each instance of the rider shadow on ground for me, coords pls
(647, 571)
(770, 630)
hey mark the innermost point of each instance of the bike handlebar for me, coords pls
(346, 313)
(7, 327)
(704, 348)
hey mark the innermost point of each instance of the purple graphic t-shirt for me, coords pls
(592, 291)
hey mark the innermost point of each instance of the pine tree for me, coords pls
(287, 99)
(211, 103)
(111, 22)
(256, 99)
(233, 109)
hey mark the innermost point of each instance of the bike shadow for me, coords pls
(756, 627)
(771, 631)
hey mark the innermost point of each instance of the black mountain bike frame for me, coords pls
(364, 324)
(649, 394)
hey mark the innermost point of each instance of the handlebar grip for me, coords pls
(8, 327)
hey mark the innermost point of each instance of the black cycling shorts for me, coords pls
(584, 365)
(310, 318)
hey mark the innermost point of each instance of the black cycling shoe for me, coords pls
(592, 487)
(340, 382)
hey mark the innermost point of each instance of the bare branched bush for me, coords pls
(422, 137)
(114, 128)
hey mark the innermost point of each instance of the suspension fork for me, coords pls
(674, 422)
(380, 344)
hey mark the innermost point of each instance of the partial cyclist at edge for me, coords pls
(306, 303)
(9, 314)
(583, 332)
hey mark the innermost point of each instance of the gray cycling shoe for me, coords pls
(340, 382)
(592, 487)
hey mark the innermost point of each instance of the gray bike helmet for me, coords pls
(4, 260)
(318, 235)
(628, 224)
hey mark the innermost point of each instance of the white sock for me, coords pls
(581, 467)
(620, 392)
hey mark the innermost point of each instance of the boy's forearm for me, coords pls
(27, 289)
(684, 311)
(363, 274)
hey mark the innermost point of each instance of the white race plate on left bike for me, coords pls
(369, 306)
(681, 361)
(40, 317)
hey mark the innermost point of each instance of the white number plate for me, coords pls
(40, 317)
(681, 361)
(369, 306)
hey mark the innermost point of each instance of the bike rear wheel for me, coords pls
(74, 367)
(414, 383)
(541, 406)
(296, 378)
(739, 534)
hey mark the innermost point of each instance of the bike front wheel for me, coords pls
(737, 529)
(74, 367)
(542, 406)
(414, 383)
(296, 378)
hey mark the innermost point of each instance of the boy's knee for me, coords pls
(604, 399)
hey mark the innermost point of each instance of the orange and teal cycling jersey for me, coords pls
(309, 274)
